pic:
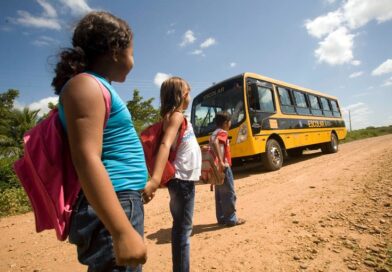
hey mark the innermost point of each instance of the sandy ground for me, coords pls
(318, 213)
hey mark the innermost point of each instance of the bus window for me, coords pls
(326, 108)
(315, 105)
(335, 108)
(260, 102)
(266, 101)
(204, 118)
(300, 103)
(286, 101)
(260, 98)
(227, 97)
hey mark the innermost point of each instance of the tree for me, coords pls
(6, 111)
(20, 122)
(143, 112)
(13, 124)
(6, 106)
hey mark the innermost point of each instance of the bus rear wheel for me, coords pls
(332, 146)
(273, 157)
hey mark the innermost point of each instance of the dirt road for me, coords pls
(318, 213)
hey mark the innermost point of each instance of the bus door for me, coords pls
(261, 106)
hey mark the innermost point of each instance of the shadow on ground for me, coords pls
(163, 236)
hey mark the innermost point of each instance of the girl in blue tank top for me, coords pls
(107, 223)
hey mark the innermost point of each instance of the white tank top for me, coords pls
(188, 157)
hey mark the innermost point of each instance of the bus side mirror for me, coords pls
(256, 128)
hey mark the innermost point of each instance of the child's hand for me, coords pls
(222, 165)
(149, 191)
(129, 248)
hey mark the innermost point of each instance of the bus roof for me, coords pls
(271, 80)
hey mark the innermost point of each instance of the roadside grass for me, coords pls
(367, 133)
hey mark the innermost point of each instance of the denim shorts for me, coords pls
(93, 241)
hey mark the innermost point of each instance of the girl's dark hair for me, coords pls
(221, 117)
(172, 94)
(96, 34)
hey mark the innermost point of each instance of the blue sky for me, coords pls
(340, 47)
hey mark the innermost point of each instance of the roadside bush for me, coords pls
(8, 178)
(13, 201)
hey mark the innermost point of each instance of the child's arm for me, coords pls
(84, 109)
(169, 136)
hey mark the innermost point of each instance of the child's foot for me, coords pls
(239, 221)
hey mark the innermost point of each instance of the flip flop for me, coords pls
(239, 221)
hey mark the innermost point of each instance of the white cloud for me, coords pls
(359, 12)
(197, 52)
(357, 74)
(26, 19)
(330, 1)
(77, 7)
(207, 43)
(325, 24)
(384, 68)
(233, 64)
(336, 48)
(188, 38)
(170, 31)
(48, 8)
(387, 83)
(41, 105)
(160, 78)
(356, 62)
(351, 15)
(45, 41)
(5, 28)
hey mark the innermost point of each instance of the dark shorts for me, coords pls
(93, 241)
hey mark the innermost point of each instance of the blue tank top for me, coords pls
(122, 152)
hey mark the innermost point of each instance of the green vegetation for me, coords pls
(367, 132)
(15, 122)
(143, 113)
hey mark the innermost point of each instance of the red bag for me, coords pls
(47, 174)
(151, 139)
(211, 171)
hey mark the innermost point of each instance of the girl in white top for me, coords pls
(188, 158)
(175, 99)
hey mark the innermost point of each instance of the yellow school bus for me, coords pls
(270, 119)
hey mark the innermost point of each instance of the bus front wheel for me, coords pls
(332, 146)
(273, 157)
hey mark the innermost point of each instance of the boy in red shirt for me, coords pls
(225, 197)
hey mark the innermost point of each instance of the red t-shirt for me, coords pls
(223, 138)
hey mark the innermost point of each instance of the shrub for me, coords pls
(8, 178)
(13, 201)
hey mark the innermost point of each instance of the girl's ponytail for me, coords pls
(72, 62)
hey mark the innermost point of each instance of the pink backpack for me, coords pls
(47, 174)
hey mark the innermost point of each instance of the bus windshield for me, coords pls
(228, 96)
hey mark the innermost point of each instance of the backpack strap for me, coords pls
(106, 96)
(181, 134)
(173, 153)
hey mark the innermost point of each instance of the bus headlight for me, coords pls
(242, 133)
